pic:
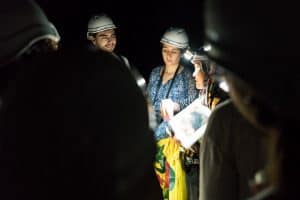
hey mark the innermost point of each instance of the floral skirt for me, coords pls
(169, 170)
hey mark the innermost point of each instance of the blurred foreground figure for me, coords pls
(231, 153)
(65, 134)
(257, 44)
(25, 34)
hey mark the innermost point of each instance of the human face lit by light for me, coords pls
(105, 40)
(171, 55)
(199, 75)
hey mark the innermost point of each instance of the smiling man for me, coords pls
(101, 32)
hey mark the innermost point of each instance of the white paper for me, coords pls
(189, 125)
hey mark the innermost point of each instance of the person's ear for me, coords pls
(93, 41)
(91, 38)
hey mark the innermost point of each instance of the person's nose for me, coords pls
(194, 74)
(110, 39)
(169, 53)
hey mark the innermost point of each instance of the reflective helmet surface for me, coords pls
(99, 23)
(176, 37)
(23, 24)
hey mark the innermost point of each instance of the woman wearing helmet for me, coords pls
(172, 80)
(210, 91)
(171, 88)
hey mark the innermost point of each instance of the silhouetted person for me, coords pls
(231, 152)
(257, 43)
(65, 134)
(25, 33)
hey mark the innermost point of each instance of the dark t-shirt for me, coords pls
(74, 125)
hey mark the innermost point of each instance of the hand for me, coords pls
(195, 148)
(167, 108)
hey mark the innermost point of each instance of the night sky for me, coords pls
(140, 24)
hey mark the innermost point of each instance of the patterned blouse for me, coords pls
(183, 92)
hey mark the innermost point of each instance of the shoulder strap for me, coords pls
(167, 95)
(160, 82)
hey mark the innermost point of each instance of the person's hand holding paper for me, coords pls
(189, 125)
(167, 109)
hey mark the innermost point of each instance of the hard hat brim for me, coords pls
(17, 43)
(175, 44)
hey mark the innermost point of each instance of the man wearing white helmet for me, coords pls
(171, 88)
(101, 32)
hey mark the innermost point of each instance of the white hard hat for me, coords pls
(99, 23)
(27, 25)
(176, 37)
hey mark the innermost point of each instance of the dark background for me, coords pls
(141, 23)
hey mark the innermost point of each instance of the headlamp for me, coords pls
(191, 55)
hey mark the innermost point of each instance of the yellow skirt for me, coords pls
(169, 171)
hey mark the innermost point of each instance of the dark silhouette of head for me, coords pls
(256, 42)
